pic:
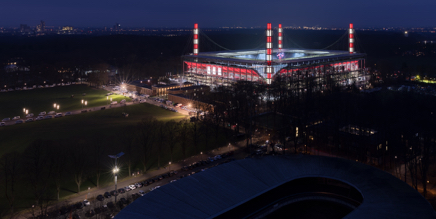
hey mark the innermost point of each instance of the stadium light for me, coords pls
(351, 38)
(196, 40)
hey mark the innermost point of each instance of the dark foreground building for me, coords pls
(258, 187)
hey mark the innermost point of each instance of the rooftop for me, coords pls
(190, 87)
(279, 56)
(217, 190)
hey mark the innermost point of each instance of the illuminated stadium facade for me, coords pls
(299, 66)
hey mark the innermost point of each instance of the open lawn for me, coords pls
(42, 99)
(101, 124)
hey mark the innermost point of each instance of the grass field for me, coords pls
(42, 99)
(103, 124)
(107, 127)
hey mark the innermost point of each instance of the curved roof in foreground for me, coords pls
(212, 192)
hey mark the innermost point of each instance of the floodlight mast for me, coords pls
(115, 170)
(268, 52)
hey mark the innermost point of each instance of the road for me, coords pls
(90, 109)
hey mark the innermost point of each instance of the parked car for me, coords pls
(48, 117)
(2, 124)
(29, 115)
(132, 187)
(29, 120)
(39, 118)
(107, 195)
(141, 193)
(138, 185)
(98, 210)
(51, 112)
(42, 113)
(127, 188)
(78, 205)
(121, 191)
(16, 117)
(110, 205)
(90, 213)
(58, 115)
(6, 119)
(19, 121)
(68, 113)
(114, 193)
(100, 197)
(86, 202)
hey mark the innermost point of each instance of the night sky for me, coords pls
(183, 13)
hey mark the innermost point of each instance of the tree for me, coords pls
(38, 166)
(9, 167)
(184, 136)
(172, 129)
(78, 163)
(146, 128)
(127, 141)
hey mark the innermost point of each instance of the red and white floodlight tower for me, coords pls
(268, 53)
(195, 39)
(280, 36)
(351, 38)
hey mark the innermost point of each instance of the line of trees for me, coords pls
(46, 168)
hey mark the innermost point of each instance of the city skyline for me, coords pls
(174, 14)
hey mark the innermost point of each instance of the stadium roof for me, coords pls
(279, 56)
(217, 190)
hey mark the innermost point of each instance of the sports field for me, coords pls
(42, 99)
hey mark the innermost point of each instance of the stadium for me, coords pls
(299, 66)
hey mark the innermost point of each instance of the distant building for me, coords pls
(117, 27)
(24, 29)
(67, 30)
(162, 89)
(192, 96)
(41, 27)
(145, 87)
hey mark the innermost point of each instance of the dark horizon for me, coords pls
(175, 14)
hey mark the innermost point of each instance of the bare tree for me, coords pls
(146, 137)
(38, 166)
(172, 129)
(9, 167)
(184, 136)
(78, 164)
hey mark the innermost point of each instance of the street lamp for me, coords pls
(27, 112)
(86, 103)
(24, 110)
(229, 147)
(169, 166)
(54, 105)
(82, 103)
(57, 107)
(116, 170)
